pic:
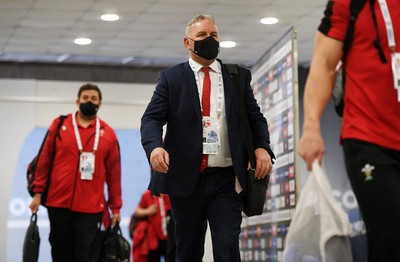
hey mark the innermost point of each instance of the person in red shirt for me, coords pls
(77, 164)
(150, 236)
(371, 119)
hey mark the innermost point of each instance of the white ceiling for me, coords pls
(150, 31)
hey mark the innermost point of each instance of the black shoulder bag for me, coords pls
(256, 192)
(30, 250)
(114, 246)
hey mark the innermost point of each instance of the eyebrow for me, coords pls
(91, 96)
(204, 32)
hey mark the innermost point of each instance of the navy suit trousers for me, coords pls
(215, 200)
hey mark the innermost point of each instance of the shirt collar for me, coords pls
(215, 66)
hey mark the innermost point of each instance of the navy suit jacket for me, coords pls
(175, 102)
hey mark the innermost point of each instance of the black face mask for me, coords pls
(207, 48)
(88, 109)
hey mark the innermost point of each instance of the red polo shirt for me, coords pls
(372, 112)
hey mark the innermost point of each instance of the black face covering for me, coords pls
(88, 109)
(207, 48)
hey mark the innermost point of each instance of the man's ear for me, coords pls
(100, 103)
(77, 102)
(186, 43)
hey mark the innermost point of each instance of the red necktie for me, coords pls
(205, 104)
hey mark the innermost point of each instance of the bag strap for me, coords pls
(61, 118)
(377, 44)
(33, 218)
(118, 233)
(355, 8)
(61, 121)
(234, 74)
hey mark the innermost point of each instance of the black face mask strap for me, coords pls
(194, 41)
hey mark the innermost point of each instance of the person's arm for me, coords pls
(151, 128)
(43, 166)
(259, 129)
(146, 206)
(318, 90)
(145, 212)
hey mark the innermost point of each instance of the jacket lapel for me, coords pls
(189, 84)
(229, 91)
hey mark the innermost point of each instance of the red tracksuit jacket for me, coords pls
(67, 189)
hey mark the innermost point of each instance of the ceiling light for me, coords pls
(62, 58)
(227, 44)
(269, 20)
(82, 41)
(110, 17)
(127, 59)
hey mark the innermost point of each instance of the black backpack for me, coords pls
(132, 225)
(30, 172)
(339, 86)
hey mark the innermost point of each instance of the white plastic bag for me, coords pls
(320, 230)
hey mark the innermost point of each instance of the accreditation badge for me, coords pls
(86, 165)
(211, 136)
(396, 72)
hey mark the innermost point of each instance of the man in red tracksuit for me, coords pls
(150, 236)
(85, 157)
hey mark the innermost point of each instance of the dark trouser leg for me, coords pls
(170, 253)
(378, 195)
(155, 255)
(74, 237)
(87, 241)
(214, 198)
(190, 225)
(61, 234)
(224, 214)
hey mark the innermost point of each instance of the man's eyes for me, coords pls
(93, 98)
(204, 34)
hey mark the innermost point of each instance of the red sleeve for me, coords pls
(336, 19)
(167, 203)
(43, 166)
(113, 176)
(147, 199)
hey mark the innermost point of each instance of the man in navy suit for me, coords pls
(202, 161)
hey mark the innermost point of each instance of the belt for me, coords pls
(216, 169)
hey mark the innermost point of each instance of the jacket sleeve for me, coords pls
(113, 176)
(155, 117)
(45, 157)
(258, 123)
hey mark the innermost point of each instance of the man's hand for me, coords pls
(115, 218)
(263, 163)
(34, 206)
(152, 209)
(159, 160)
(312, 145)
